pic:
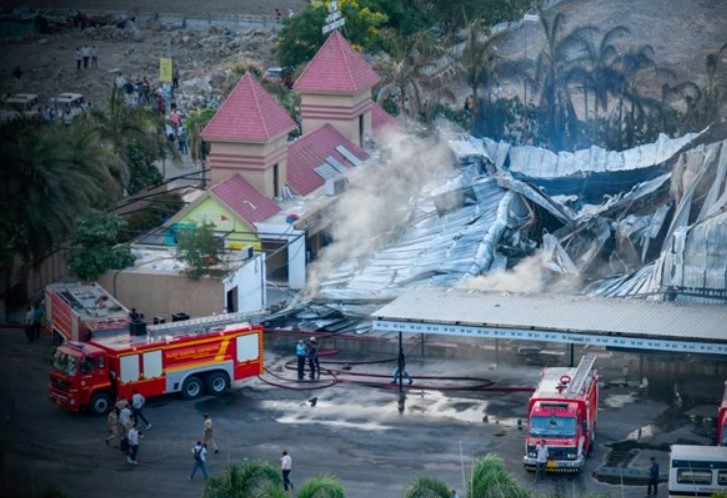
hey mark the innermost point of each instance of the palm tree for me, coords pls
(556, 63)
(605, 77)
(52, 176)
(427, 487)
(124, 128)
(490, 479)
(322, 486)
(259, 478)
(407, 69)
(635, 65)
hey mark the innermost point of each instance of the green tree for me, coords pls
(201, 250)
(95, 248)
(489, 478)
(322, 486)
(408, 69)
(259, 478)
(51, 176)
(133, 134)
(302, 35)
(194, 124)
(428, 487)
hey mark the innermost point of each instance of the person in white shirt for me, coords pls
(137, 401)
(133, 436)
(286, 465)
(199, 453)
(541, 459)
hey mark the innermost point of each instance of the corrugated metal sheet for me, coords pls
(559, 313)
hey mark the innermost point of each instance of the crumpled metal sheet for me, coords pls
(438, 249)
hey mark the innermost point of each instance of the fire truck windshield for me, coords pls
(553, 426)
(64, 363)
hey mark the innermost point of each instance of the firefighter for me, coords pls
(300, 354)
(208, 437)
(313, 361)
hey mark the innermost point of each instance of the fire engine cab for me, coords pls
(190, 357)
(562, 411)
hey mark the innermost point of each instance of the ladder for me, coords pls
(582, 374)
(202, 325)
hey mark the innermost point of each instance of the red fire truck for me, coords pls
(722, 420)
(563, 411)
(78, 312)
(190, 357)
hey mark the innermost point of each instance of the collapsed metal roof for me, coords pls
(647, 222)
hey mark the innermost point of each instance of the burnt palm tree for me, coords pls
(636, 65)
(605, 77)
(557, 64)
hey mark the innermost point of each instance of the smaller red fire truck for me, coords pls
(190, 357)
(79, 311)
(722, 420)
(562, 411)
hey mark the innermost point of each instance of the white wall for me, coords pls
(250, 282)
(296, 249)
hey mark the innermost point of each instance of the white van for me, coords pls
(697, 470)
(26, 103)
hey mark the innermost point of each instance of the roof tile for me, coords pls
(380, 119)
(310, 151)
(243, 199)
(336, 68)
(248, 114)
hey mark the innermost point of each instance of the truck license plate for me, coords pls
(551, 464)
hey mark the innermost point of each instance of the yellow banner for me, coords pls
(165, 69)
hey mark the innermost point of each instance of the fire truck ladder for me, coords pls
(202, 325)
(582, 374)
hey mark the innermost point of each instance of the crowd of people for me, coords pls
(86, 56)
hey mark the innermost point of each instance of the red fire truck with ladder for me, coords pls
(722, 420)
(189, 357)
(562, 411)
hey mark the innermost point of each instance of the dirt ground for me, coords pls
(680, 31)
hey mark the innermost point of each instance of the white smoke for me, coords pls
(379, 204)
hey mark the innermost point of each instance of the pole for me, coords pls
(402, 397)
(572, 361)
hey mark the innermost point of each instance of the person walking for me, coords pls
(138, 401)
(29, 323)
(313, 361)
(653, 478)
(79, 58)
(133, 438)
(208, 437)
(182, 139)
(401, 367)
(541, 459)
(38, 315)
(300, 354)
(94, 56)
(286, 465)
(199, 453)
(112, 426)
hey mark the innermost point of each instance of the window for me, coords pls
(552, 426)
(694, 476)
(722, 477)
(129, 368)
(101, 362)
(64, 363)
(152, 364)
(276, 181)
(248, 348)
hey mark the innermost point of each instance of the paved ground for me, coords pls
(354, 432)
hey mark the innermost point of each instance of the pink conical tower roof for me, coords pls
(248, 114)
(336, 68)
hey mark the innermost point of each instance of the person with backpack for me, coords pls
(199, 453)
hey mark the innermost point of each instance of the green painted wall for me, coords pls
(210, 210)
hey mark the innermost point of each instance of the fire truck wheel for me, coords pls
(100, 404)
(192, 387)
(217, 383)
